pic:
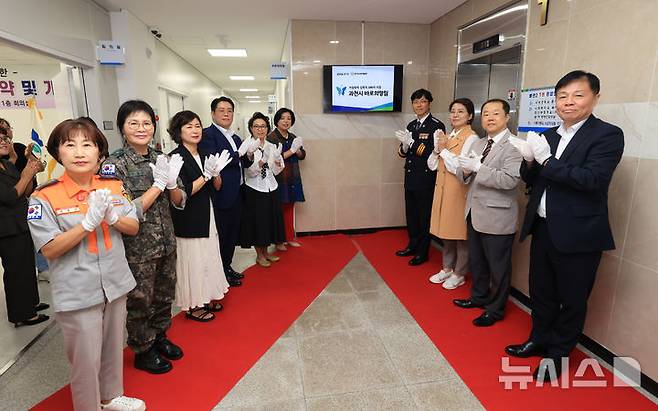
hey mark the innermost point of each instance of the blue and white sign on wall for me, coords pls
(537, 109)
(279, 71)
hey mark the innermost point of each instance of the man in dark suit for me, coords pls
(228, 200)
(416, 145)
(568, 170)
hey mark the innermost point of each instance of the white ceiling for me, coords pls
(191, 27)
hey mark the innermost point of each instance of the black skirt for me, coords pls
(262, 219)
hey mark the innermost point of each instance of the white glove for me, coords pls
(296, 144)
(210, 166)
(175, 164)
(540, 148)
(404, 136)
(96, 206)
(438, 135)
(523, 147)
(470, 164)
(223, 160)
(111, 216)
(254, 143)
(160, 172)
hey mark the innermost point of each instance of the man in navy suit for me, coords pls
(228, 200)
(568, 171)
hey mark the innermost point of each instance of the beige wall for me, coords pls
(623, 308)
(352, 176)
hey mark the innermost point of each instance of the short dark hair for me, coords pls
(178, 121)
(3, 121)
(420, 93)
(89, 120)
(215, 102)
(279, 113)
(594, 82)
(496, 100)
(133, 106)
(67, 128)
(258, 115)
(466, 102)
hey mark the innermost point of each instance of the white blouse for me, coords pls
(263, 178)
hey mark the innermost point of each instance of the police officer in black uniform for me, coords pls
(416, 144)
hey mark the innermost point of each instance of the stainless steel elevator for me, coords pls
(490, 60)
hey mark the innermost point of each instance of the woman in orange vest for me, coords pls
(448, 222)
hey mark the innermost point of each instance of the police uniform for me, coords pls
(151, 253)
(89, 284)
(419, 183)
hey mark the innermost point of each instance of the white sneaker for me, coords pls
(123, 403)
(440, 277)
(454, 281)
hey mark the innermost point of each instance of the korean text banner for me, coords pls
(362, 88)
(537, 110)
(16, 89)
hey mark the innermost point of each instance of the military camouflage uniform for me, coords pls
(151, 254)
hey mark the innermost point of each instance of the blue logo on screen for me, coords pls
(341, 91)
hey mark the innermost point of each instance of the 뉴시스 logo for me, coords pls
(341, 90)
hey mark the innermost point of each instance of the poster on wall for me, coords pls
(16, 89)
(537, 109)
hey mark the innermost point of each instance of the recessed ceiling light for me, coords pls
(228, 52)
(334, 42)
(242, 77)
(410, 62)
(251, 96)
(248, 90)
(255, 101)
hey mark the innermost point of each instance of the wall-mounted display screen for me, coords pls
(376, 88)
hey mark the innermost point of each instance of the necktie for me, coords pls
(487, 149)
(418, 124)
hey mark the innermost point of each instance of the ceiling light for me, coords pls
(251, 96)
(228, 52)
(248, 90)
(317, 61)
(255, 101)
(334, 42)
(410, 62)
(242, 77)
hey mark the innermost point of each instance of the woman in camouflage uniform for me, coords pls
(151, 180)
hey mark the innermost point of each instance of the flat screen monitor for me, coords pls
(372, 88)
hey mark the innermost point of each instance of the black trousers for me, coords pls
(229, 231)
(20, 277)
(418, 209)
(490, 261)
(560, 284)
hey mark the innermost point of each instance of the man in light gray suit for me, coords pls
(492, 171)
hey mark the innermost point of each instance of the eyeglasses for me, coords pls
(259, 127)
(134, 125)
(5, 139)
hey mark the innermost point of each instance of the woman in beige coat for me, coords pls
(448, 221)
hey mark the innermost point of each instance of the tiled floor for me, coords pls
(355, 347)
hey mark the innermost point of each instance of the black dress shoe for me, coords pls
(232, 273)
(484, 320)
(151, 362)
(32, 321)
(404, 252)
(467, 303)
(525, 350)
(543, 371)
(168, 349)
(41, 307)
(233, 282)
(417, 260)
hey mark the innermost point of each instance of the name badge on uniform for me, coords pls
(109, 170)
(34, 212)
(67, 210)
(423, 136)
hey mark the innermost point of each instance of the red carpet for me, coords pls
(219, 353)
(475, 353)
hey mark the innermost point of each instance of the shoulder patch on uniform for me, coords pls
(435, 120)
(46, 184)
(34, 212)
(108, 170)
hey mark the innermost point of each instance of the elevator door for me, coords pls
(496, 75)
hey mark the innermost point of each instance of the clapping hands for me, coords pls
(297, 143)
(404, 137)
(215, 163)
(471, 163)
(539, 146)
